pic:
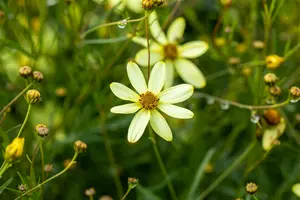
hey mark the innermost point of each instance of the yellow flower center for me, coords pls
(170, 51)
(148, 100)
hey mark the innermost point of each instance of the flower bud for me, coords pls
(37, 76)
(105, 197)
(220, 41)
(272, 117)
(295, 93)
(132, 182)
(80, 146)
(234, 60)
(251, 188)
(257, 44)
(148, 4)
(14, 150)
(48, 168)
(41, 130)
(274, 61)
(270, 79)
(25, 71)
(33, 96)
(22, 188)
(90, 192)
(275, 90)
(61, 92)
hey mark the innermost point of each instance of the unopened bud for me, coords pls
(272, 117)
(234, 60)
(37, 76)
(25, 71)
(295, 93)
(148, 4)
(41, 130)
(251, 188)
(257, 44)
(270, 79)
(90, 192)
(22, 188)
(48, 168)
(275, 90)
(80, 146)
(132, 182)
(105, 197)
(274, 61)
(33, 96)
(14, 150)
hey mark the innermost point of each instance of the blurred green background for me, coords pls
(47, 35)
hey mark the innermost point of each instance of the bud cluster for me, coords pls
(151, 4)
(27, 72)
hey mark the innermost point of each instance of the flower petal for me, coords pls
(296, 189)
(142, 57)
(156, 30)
(189, 72)
(139, 40)
(176, 94)
(136, 77)
(135, 5)
(160, 125)
(138, 125)
(126, 108)
(176, 30)
(157, 77)
(193, 49)
(123, 92)
(176, 111)
(169, 74)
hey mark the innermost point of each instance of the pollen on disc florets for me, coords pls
(170, 51)
(148, 100)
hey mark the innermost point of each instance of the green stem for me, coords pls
(126, 194)
(43, 165)
(16, 98)
(4, 167)
(162, 166)
(51, 178)
(228, 171)
(148, 42)
(25, 120)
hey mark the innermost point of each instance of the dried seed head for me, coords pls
(272, 117)
(274, 61)
(14, 150)
(22, 187)
(48, 168)
(80, 146)
(25, 71)
(90, 192)
(37, 76)
(295, 93)
(257, 44)
(41, 130)
(270, 79)
(251, 188)
(275, 90)
(33, 96)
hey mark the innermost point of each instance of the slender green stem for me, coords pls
(25, 120)
(239, 105)
(254, 197)
(126, 194)
(91, 197)
(148, 42)
(43, 165)
(291, 52)
(162, 166)
(32, 162)
(16, 98)
(114, 23)
(4, 167)
(228, 171)
(51, 178)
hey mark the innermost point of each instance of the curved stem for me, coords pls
(239, 105)
(51, 178)
(113, 23)
(25, 120)
(126, 194)
(4, 167)
(162, 166)
(235, 164)
(16, 98)
(148, 42)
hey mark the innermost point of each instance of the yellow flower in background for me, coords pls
(14, 149)
(176, 56)
(133, 5)
(149, 99)
(296, 189)
(274, 61)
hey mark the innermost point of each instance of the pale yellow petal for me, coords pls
(176, 30)
(160, 125)
(138, 125)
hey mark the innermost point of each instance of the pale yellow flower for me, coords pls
(296, 189)
(148, 99)
(176, 56)
(133, 5)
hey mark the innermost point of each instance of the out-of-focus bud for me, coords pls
(274, 61)
(37, 76)
(132, 182)
(48, 168)
(257, 44)
(294, 94)
(270, 79)
(22, 188)
(234, 60)
(14, 150)
(220, 41)
(61, 92)
(105, 197)
(41, 130)
(275, 90)
(90, 192)
(25, 71)
(272, 117)
(226, 3)
(80, 146)
(33, 96)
